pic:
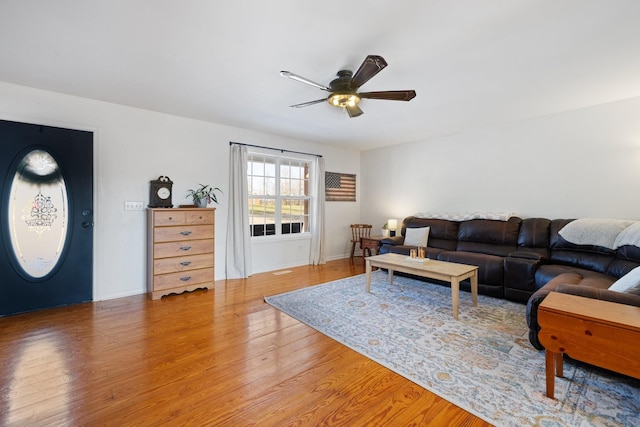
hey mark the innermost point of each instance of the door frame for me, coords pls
(41, 121)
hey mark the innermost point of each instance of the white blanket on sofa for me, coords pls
(465, 216)
(629, 236)
(599, 232)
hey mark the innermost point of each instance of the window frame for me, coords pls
(278, 197)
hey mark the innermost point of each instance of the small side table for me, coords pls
(601, 333)
(370, 245)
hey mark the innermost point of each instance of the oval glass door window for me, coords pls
(38, 214)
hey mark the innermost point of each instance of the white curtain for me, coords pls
(238, 239)
(316, 254)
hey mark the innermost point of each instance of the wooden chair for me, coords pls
(358, 231)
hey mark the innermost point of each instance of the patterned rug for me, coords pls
(483, 362)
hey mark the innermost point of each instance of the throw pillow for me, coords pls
(416, 236)
(629, 283)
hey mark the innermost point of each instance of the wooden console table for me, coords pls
(598, 332)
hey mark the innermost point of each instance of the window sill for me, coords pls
(280, 238)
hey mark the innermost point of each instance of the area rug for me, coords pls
(483, 362)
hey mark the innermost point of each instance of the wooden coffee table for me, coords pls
(431, 269)
(601, 333)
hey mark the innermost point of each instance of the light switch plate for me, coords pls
(133, 206)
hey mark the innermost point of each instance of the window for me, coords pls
(278, 195)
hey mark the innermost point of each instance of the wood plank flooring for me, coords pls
(206, 358)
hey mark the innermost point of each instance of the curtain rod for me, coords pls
(282, 150)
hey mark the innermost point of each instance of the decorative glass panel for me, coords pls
(38, 214)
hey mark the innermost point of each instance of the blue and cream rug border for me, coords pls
(483, 362)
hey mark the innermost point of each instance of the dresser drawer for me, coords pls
(199, 217)
(184, 278)
(170, 217)
(173, 249)
(183, 233)
(183, 263)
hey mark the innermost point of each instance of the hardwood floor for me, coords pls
(217, 357)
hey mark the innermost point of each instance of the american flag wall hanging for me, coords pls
(340, 187)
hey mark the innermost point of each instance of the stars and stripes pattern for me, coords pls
(340, 187)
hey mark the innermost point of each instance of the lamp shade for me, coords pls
(392, 224)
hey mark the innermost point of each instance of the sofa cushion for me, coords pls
(581, 278)
(534, 236)
(629, 252)
(547, 273)
(601, 294)
(443, 234)
(491, 237)
(590, 257)
(627, 258)
(629, 283)
(416, 236)
(490, 272)
(557, 242)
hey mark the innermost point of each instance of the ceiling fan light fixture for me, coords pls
(344, 100)
(343, 90)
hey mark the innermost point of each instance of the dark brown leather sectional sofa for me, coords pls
(524, 259)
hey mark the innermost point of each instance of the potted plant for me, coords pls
(204, 195)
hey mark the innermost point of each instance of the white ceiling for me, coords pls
(471, 62)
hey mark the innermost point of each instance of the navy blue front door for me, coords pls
(46, 217)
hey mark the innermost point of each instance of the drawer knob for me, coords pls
(185, 248)
(185, 233)
(185, 263)
(185, 278)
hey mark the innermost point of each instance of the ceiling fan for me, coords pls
(343, 90)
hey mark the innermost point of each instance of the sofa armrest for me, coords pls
(527, 255)
(520, 271)
(532, 315)
(601, 294)
(394, 241)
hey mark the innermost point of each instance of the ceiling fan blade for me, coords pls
(301, 79)
(354, 111)
(371, 66)
(392, 95)
(306, 104)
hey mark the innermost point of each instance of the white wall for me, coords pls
(582, 163)
(132, 147)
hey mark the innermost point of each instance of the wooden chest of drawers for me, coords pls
(180, 250)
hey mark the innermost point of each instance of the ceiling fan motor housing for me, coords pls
(343, 95)
(343, 82)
